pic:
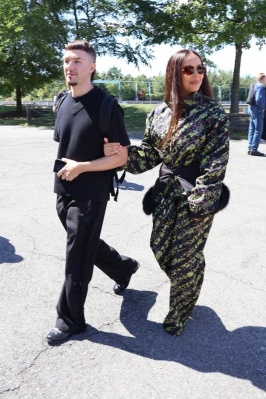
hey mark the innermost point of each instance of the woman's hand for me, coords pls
(111, 148)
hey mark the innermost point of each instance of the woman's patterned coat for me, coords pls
(177, 239)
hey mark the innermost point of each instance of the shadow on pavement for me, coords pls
(205, 345)
(130, 186)
(7, 252)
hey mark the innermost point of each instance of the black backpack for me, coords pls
(105, 110)
(251, 95)
(104, 124)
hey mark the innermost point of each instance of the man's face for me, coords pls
(78, 67)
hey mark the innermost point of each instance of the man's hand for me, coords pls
(70, 171)
(111, 148)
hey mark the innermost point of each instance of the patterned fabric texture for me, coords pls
(177, 240)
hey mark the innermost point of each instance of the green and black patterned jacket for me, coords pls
(202, 136)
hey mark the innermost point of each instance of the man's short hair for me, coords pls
(83, 45)
(260, 76)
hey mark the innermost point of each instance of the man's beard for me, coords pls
(72, 84)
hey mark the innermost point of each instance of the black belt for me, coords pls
(186, 176)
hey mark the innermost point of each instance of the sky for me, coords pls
(253, 61)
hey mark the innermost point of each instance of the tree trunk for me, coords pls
(236, 80)
(18, 98)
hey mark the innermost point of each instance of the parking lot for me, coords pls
(124, 352)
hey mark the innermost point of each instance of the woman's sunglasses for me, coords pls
(189, 70)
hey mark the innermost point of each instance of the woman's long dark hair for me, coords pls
(173, 88)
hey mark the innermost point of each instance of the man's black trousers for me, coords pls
(82, 220)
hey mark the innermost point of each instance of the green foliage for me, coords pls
(221, 82)
(207, 25)
(135, 117)
(115, 27)
(30, 39)
(212, 25)
(33, 34)
(158, 88)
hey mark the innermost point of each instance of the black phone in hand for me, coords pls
(58, 165)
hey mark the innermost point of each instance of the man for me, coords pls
(263, 136)
(256, 112)
(81, 196)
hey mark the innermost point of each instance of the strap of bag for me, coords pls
(61, 99)
(104, 124)
(106, 112)
(251, 95)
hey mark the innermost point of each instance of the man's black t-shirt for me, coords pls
(79, 136)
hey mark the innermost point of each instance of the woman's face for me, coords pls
(192, 74)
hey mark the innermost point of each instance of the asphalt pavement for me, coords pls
(124, 352)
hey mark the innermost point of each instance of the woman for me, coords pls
(188, 133)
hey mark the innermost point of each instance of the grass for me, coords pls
(135, 117)
(9, 116)
(40, 117)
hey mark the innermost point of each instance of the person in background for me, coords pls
(188, 135)
(81, 196)
(256, 113)
(263, 136)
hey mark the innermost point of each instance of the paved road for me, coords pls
(124, 353)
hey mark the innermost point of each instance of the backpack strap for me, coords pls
(251, 95)
(60, 100)
(104, 124)
(106, 112)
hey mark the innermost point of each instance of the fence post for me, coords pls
(28, 113)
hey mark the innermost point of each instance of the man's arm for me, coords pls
(72, 168)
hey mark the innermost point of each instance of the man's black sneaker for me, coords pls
(120, 288)
(257, 154)
(57, 337)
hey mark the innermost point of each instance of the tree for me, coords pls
(221, 82)
(115, 27)
(158, 84)
(29, 39)
(33, 34)
(211, 25)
